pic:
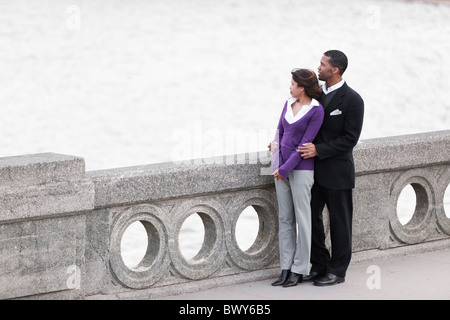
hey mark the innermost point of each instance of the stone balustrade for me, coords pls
(61, 227)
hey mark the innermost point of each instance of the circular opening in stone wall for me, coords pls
(133, 244)
(447, 201)
(412, 205)
(247, 228)
(406, 204)
(191, 236)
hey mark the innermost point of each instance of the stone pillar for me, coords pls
(43, 201)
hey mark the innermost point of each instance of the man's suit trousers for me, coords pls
(340, 208)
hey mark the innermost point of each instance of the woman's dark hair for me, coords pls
(338, 60)
(307, 79)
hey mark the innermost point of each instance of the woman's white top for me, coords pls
(289, 116)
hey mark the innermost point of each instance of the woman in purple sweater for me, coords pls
(299, 123)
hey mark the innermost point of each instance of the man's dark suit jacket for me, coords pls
(340, 131)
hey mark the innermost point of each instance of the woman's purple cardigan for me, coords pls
(290, 136)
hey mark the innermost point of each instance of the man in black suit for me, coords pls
(334, 169)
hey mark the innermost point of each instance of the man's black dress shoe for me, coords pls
(311, 277)
(283, 277)
(294, 278)
(328, 280)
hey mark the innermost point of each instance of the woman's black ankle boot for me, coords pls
(282, 279)
(293, 279)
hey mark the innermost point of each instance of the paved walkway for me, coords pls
(422, 276)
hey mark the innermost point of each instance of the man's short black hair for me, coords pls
(337, 59)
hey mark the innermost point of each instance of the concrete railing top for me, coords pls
(38, 169)
(406, 151)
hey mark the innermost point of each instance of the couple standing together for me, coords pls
(313, 167)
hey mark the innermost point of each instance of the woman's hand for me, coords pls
(272, 146)
(277, 175)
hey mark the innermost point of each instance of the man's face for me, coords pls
(325, 70)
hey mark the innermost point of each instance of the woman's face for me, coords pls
(295, 90)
